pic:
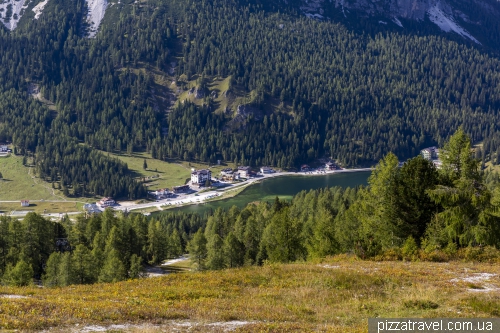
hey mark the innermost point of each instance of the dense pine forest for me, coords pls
(415, 212)
(313, 89)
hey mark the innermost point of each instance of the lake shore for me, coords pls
(230, 191)
(221, 194)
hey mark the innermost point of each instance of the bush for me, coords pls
(480, 254)
(409, 250)
(391, 254)
(436, 256)
(451, 250)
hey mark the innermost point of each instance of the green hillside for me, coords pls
(236, 81)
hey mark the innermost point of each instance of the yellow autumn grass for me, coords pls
(333, 295)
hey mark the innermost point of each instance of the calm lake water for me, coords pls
(283, 187)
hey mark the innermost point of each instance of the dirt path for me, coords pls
(50, 189)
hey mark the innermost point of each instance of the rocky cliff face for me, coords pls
(449, 15)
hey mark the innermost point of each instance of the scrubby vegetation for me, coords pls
(333, 295)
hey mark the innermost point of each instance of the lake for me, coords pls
(283, 187)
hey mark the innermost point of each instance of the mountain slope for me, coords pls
(460, 17)
(240, 81)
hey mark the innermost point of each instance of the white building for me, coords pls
(25, 203)
(106, 202)
(266, 170)
(429, 153)
(244, 171)
(201, 176)
(91, 208)
(228, 172)
(330, 166)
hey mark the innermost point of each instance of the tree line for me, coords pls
(98, 248)
(411, 212)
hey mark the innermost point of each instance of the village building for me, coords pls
(331, 166)
(162, 194)
(4, 148)
(91, 209)
(180, 189)
(106, 202)
(437, 163)
(230, 177)
(430, 153)
(201, 176)
(25, 203)
(244, 171)
(228, 172)
(304, 168)
(265, 169)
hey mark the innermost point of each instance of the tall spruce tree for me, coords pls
(197, 249)
(468, 214)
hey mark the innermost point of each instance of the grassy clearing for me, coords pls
(18, 184)
(162, 174)
(43, 207)
(335, 295)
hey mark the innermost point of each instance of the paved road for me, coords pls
(196, 198)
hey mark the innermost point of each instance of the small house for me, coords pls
(304, 168)
(25, 203)
(228, 172)
(265, 170)
(106, 202)
(429, 153)
(330, 166)
(180, 189)
(244, 171)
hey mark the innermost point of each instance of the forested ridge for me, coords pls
(314, 88)
(415, 212)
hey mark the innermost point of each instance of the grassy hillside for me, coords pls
(163, 174)
(18, 182)
(336, 295)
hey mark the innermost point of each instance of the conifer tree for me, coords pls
(157, 243)
(234, 251)
(136, 268)
(83, 265)
(52, 276)
(215, 252)
(113, 269)
(468, 215)
(197, 249)
(19, 275)
(174, 244)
